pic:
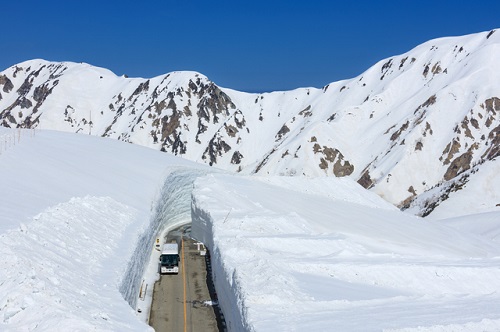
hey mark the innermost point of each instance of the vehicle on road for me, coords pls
(169, 259)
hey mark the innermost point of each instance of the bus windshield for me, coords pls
(170, 260)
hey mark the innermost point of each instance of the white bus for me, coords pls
(169, 259)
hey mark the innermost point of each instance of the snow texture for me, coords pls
(79, 214)
(413, 128)
(294, 258)
(62, 267)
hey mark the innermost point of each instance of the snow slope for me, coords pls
(293, 254)
(403, 127)
(78, 220)
(79, 216)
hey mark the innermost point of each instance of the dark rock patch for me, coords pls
(282, 132)
(7, 84)
(365, 180)
(236, 158)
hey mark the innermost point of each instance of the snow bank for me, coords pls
(80, 214)
(484, 224)
(229, 291)
(62, 269)
(78, 218)
(311, 258)
(173, 208)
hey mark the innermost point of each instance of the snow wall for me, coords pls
(172, 208)
(225, 279)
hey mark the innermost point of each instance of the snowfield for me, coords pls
(60, 271)
(80, 214)
(291, 257)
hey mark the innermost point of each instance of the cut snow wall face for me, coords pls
(173, 208)
(225, 280)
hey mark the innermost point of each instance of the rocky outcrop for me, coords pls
(6, 83)
(334, 159)
(406, 125)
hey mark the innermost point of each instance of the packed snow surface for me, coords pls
(78, 218)
(80, 214)
(59, 270)
(296, 254)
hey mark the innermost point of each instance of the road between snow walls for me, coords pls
(178, 205)
(173, 208)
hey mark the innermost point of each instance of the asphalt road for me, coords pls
(179, 300)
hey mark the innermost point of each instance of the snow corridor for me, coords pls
(173, 208)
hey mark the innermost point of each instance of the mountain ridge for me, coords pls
(413, 127)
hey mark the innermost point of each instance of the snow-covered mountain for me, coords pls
(79, 216)
(414, 128)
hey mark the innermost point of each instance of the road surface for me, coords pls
(182, 302)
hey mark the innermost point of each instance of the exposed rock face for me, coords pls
(493, 150)
(7, 84)
(408, 124)
(459, 165)
(236, 159)
(365, 180)
(282, 132)
(333, 157)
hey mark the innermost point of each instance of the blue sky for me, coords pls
(245, 45)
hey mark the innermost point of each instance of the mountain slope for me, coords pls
(412, 123)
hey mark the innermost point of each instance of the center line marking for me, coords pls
(184, 282)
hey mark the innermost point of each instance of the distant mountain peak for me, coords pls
(408, 125)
